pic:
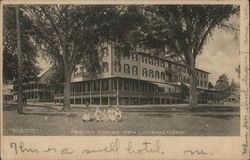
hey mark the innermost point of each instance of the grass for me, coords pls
(162, 121)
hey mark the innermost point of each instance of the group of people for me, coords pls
(112, 114)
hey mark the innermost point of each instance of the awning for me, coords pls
(187, 85)
(161, 84)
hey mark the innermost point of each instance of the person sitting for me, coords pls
(104, 116)
(118, 114)
(86, 117)
(111, 114)
(98, 114)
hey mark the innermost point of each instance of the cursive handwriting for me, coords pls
(21, 148)
(146, 148)
(113, 147)
(197, 152)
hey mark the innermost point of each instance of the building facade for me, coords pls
(133, 79)
(7, 93)
(38, 89)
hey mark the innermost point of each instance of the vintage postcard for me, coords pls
(124, 79)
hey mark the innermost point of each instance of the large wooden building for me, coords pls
(133, 79)
(37, 89)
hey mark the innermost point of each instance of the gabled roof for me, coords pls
(44, 71)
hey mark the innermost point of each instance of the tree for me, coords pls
(233, 87)
(10, 61)
(20, 57)
(183, 30)
(210, 85)
(72, 34)
(222, 85)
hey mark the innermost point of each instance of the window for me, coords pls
(162, 64)
(105, 67)
(126, 68)
(162, 75)
(150, 61)
(117, 67)
(144, 59)
(126, 56)
(184, 69)
(197, 73)
(105, 52)
(144, 72)
(157, 63)
(205, 83)
(198, 82)
(201, 74)
(135, 57)
(157, 74)
(169, 65)
(151, 73)
(201, 82)
(105, 85)
(135, 70)
(126, 85)
(205, 75)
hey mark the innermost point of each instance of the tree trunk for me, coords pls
(193, 100)
(67, 79)
(19, 53)
(66, 102)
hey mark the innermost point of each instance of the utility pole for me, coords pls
(20, 56)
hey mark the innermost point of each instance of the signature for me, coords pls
(195, 152)
(147, 147)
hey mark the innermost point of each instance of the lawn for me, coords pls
(162, 121)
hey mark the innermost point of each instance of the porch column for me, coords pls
(117, 91)
(175, 94)
(74, 91)
(100, 92)
(139, 87)
(90, 93)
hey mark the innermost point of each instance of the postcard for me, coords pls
(124, 79)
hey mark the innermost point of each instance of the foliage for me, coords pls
(234, 88)
(222, 85)
(182, 31)
(210, 85)
(30, 69)
(72, 34)
(177, 29)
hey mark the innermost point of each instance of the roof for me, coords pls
(44, 71)
(161, 84)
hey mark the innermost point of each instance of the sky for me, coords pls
(219, 56)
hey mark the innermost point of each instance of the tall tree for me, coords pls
(20, 57)
(183, 30)
(71, 34)
(222, 85)
(10, 60)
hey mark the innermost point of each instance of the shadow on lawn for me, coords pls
(225, 117)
